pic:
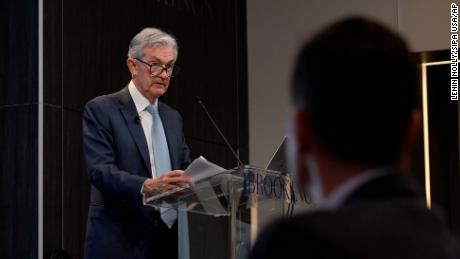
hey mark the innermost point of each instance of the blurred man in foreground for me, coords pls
(355, 114)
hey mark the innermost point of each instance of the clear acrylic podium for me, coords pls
(218, 216)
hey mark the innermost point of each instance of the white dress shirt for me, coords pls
(141, 104)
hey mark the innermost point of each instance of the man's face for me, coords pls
(152, 86)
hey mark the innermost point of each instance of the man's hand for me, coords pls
(167, 181)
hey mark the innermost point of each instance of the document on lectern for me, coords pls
(201, 169)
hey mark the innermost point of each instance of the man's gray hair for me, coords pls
(151, 37)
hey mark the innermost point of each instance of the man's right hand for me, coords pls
(167, 181)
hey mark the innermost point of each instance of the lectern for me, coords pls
(218, 215)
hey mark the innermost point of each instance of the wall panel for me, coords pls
(18, 129)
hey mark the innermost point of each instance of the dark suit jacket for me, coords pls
(385, 218)
(117, 164)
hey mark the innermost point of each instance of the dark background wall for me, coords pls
(18, 129)
(444, 139)
(85, 47)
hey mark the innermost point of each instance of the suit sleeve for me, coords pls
(101, 166)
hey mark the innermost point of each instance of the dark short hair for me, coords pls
(357, 80)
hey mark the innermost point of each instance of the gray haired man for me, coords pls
(133, 145)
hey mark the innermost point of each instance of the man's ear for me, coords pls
(302, 131)
(413, 130)
(412, 134)
(132, 67)
(302, 138)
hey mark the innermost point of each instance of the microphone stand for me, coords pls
(238, 160)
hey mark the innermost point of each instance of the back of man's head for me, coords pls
(357, 82)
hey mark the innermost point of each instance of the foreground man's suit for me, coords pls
(384, 218)
(117, 164)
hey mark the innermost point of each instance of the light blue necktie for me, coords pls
(161, 156)
(160, 146)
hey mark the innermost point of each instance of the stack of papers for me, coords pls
(201, 169)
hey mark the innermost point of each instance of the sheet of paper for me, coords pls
(201, 169)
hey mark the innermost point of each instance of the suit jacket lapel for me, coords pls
(129, 112)
(169, 132)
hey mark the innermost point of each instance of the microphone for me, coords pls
(137, 119)
(200, 102)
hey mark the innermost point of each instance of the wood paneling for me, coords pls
(52, 180)
(75, 187)
(19, 62)
(52, 51)
(18, 182)
(18, 129)
(53, 148)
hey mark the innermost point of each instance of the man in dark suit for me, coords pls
(134, 145)
(354, 94)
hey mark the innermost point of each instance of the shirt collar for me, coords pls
(140, 101)
(338, 197)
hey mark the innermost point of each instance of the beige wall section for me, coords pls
(425, 23)
(275, 31)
